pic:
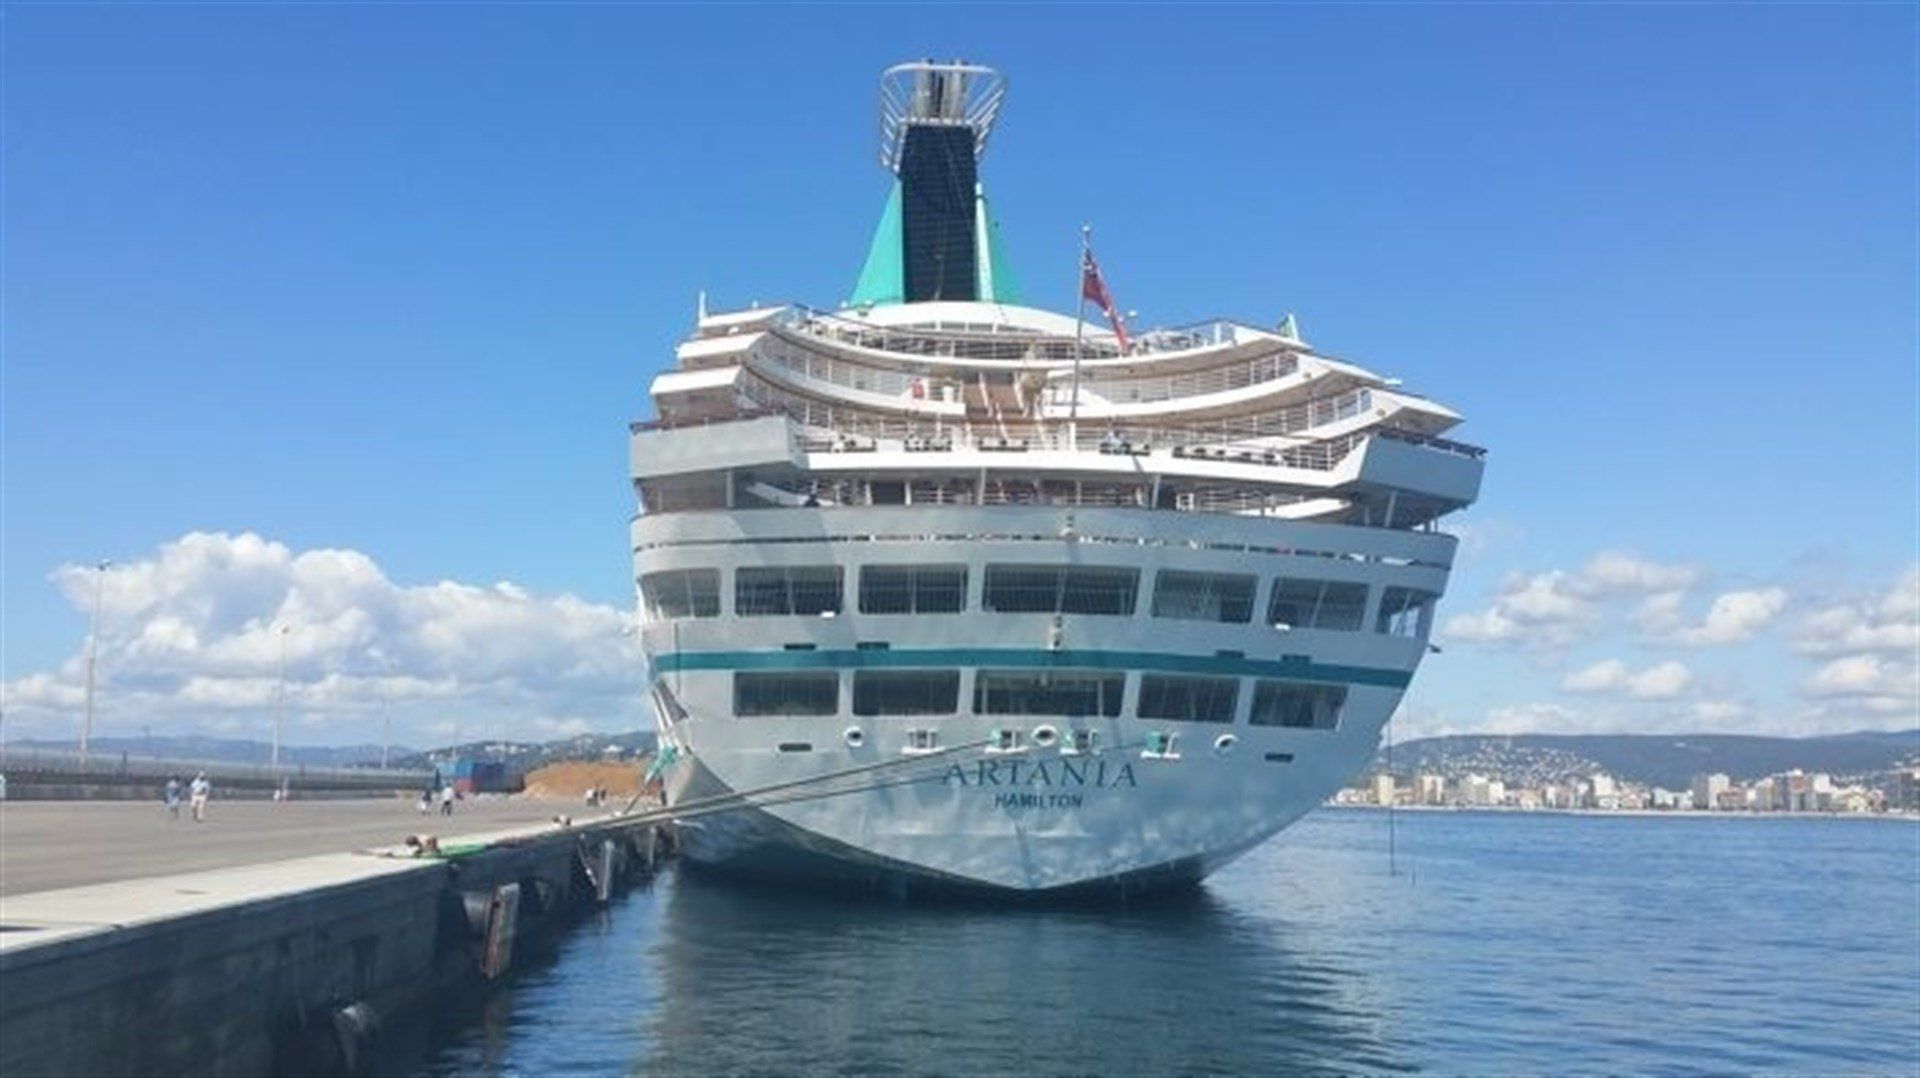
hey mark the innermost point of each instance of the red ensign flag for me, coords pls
(1093, 288)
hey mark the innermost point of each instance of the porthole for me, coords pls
(1224, 744)
(854, 737)
(1045, 737)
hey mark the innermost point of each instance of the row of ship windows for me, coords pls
(1295, 602)
(1049, 693)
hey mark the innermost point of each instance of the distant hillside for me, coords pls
(222, 750)
(1668, 760)
(528, 755)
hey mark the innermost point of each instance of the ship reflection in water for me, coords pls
(1501, 943)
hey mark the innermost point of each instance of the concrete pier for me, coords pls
(284, 967)
(54, 844)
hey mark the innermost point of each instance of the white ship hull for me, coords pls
(1033, 822)
(761, 794)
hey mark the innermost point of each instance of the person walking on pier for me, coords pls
(198, 792)
(171, 796)
(446, 799)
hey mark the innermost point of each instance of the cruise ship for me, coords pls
(939, 589)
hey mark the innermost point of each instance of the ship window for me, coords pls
(1317, 604)
(906, 692)
(1298, 704)
(681, 593)
(786, 589)
(1048, 692)
(1203, 596)
(758, 693)
(913, 589)
(1061, 589)
(1405, 612)
(1188, 699)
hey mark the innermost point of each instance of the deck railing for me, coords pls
(824, 428)
(992, 341)
(835, 426)
(1132, 390)
(863, 377)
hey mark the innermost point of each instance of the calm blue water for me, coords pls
(1505, 943)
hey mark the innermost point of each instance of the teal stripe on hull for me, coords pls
(1292, 667)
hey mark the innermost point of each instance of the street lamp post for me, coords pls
(280, 697)
(93, 657)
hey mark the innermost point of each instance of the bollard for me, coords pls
(356, 1029)
(497, 955)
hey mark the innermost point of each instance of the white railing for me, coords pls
(1119, 390)
(971, 342)
(864, 491)
(826, 428)
(862, 377)
(994, 341)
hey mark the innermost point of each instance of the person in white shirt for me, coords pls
(198, 792)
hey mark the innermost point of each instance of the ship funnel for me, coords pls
(934, 237)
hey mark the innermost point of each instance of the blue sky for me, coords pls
(392, 280)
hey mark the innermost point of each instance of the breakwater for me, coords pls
(287, 967)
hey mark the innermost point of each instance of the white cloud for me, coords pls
(1863, 675)
(1617, 573)
(1532, 610)
(1661, 614)
(1607, 675)
(1531, 719)
(1870, 647)
(1719, 712)
(1553, 609)
(1887, 622)
(1663, 681)
(190, 635)
(1734, 616)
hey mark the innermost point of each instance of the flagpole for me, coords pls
(1079, 336)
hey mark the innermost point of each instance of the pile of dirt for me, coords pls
(571, 780)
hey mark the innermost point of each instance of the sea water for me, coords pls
(1469, 942)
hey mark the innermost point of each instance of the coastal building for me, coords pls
(1707, 790)
(1384, 791)
(1906, 789)
(1475, 790)
(1430, 789)
(1798, 791)
(1603, 792)
(1854, 799)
